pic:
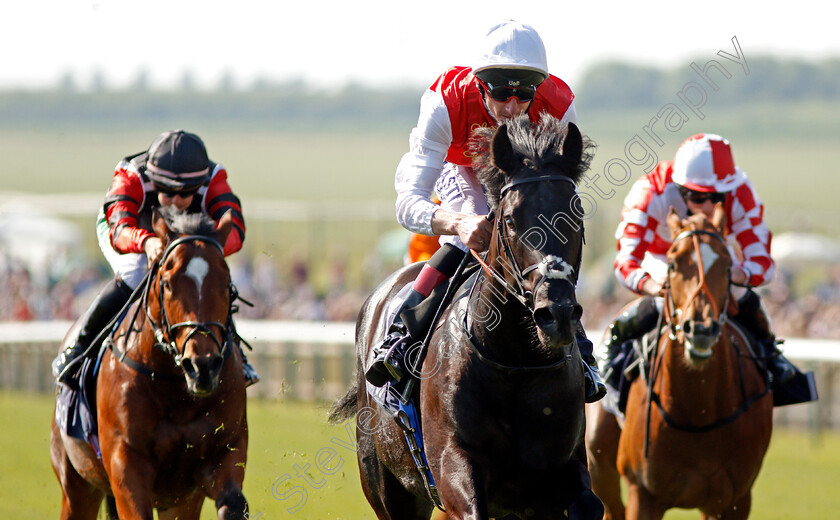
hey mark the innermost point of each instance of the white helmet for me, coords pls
(512, 45)
(704, 163)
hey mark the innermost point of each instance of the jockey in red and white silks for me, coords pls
(702, 164)
(509, 78)
(438, 159)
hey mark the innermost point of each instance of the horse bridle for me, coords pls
(668, 313)
(550, 267)
(164, 332)
(670, 309)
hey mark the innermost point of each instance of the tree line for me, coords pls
(295, 105)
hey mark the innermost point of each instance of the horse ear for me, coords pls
(224, 227)
(719, 217)
(573, 144)
(674, 222)
(159, 225)
(501, 151)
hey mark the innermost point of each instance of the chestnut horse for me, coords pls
(501, 390)
(170, 394)
(698, 421)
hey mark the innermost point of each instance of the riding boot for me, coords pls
(595, 388)
(414, 317)
(751, 316)
(634, 322)
(109, 301)
(251, 375)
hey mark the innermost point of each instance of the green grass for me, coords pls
(797, 480)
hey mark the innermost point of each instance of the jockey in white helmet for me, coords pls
(509, 77)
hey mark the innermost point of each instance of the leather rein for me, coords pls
(669, 312)
(550, 267)
(164, 331)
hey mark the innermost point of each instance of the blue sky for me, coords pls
(378, 42)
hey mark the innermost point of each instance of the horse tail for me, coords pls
(344, 408)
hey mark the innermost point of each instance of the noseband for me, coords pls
(164, 332)
(671, 312)
(550, 267)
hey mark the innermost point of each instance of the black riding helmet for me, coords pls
(177, 160)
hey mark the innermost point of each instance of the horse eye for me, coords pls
(509, 222)
(165, 285)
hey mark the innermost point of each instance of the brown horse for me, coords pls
(698, 421)
(501, 393)
(170, 394)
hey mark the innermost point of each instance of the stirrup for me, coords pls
(594, 387)
(251, 375)
(388, 363)
(63, 361)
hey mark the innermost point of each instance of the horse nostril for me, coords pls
(577, 312)
(216, 364)
(189, 367)
(543, 317)
(687, 327)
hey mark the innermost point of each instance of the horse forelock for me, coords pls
(187, 223)
(537, 146)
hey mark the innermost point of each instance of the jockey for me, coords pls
(174, 171)
(702, 174)
(510, 77)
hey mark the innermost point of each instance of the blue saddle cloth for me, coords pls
(407, 416)
(75, 408)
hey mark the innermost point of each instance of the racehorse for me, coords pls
(170, 395)
(698, 421)
(501, 392)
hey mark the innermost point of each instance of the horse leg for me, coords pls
(188, 509)
(641, 504)
(231, 505)
(603, 433)
(585, 504)
(80, 500)
(130, 481)
(462, 487)
(738, 511)
(386, 494)
(227, 483)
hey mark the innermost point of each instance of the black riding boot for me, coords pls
(638, 319)
(595, 387)
(752, 317)
(414, 317)
(110, 300)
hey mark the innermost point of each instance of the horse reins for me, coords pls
(163, 332)
(669, 312)
(550, 267)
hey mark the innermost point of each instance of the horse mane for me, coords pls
(538, 145)
(185, 223)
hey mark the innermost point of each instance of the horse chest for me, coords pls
(529, 426)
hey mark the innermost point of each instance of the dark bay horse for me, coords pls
(502, 392)
(170, 395)
(698, 423)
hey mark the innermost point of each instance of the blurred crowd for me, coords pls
(801, 302)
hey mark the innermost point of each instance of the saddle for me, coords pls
(401, 399)
(634, 355)
(75, 406)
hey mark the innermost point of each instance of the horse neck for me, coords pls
(711, 386)
(503, 326)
